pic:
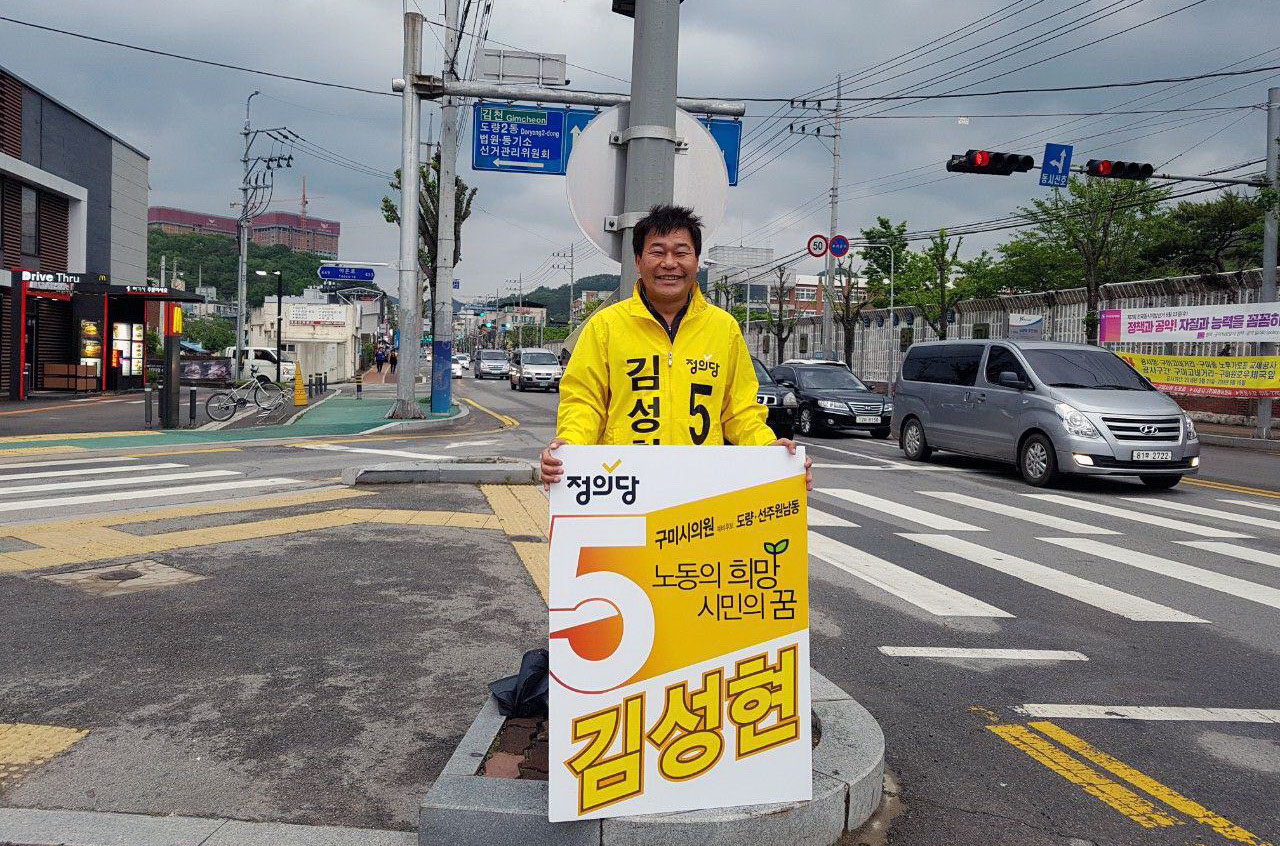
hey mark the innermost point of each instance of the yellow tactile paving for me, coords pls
(535, 505)
(536, 560)
(24, 746)
(53, 450)
(513, 516)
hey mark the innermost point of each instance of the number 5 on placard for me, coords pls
(581, 599)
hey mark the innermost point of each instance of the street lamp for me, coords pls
(279, 310)
(893, 349)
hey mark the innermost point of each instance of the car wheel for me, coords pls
(880, 434)
(807, 423)
(1160, 483)
(1038, 462)
(914, 445)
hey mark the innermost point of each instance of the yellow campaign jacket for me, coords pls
(629, 383)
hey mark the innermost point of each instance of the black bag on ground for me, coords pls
(525, 693)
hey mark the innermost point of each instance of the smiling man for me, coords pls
(664, 367)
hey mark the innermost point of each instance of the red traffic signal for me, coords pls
(1108, 169)
(984, 161)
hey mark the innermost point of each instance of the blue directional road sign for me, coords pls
(518, 139)
(575, 120)
(345, 274)
(839, 246)
(1056, 166)
(728, 136)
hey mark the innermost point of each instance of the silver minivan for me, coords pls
(1047, 407)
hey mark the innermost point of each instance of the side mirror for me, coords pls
(1009, 379)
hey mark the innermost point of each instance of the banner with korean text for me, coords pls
(1210, 376)
(679, 630)
(1239, 322)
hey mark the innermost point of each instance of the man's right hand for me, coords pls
(552, 467)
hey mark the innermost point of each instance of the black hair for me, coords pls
(663, 220)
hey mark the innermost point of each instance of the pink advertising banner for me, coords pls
(1238, 322)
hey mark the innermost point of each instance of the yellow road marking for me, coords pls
(1223, 486)
(1094, 783)
(508, 422)
(24, 746)
(18, 439)
(1143, 782)
(53, 450)
(67, 407)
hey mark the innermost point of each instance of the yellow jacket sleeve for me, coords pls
(743, 418)
(584, 389)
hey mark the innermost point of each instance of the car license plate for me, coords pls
(867, 418)
(1152, 455)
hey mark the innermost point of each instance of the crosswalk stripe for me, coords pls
(1040, 519)
(818, 517)
(391, 453)
(1216, 513)
(1138, 516)
(925, 519)
(1149, 712)
(1091, 593)
(1261, 594)
(984, 654)
(924, 593)
(87, 471)
(145, 493)
(66, 462)
(1244, 553)
(81, 484)
(1263, 505)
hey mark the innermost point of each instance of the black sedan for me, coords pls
(830, 397)
(779, 400)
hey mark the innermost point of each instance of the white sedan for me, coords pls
(457, 369)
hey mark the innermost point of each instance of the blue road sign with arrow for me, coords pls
(345, 274)
(1056, 166)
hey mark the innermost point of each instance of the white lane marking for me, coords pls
(1261, 594)
(1138, 516)
(1040, 519)
(147, 493)
(851, 467)
(86, 471)
(818, 517)
(1065, 584)
(847, 452)
(984, 654)
(462, 444)
(1216, 513)
(1149, 712)
(924, 593)
(393, 453)
(926, 519)
(1244, 553)
(81, 484)
(134, 402)
(66, 461)
(1264, 505)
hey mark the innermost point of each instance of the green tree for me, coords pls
(1208, 237)
(878, 259)
(847, 304)
(212, 333)
(213, 259)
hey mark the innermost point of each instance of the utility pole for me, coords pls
(410, 306)
(1269, 233)
(651, 121)
(569, 267)
(442, 340)
(242, 233)
(828, 322)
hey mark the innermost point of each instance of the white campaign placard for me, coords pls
(679, 635)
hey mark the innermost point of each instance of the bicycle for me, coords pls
(261, 391)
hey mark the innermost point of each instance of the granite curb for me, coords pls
(459, 471)
(1240, 443)
(848, 771)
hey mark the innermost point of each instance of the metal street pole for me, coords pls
(442, 337)
(406, 404)
(279, 314)
(828, 322)
(651, 121)
(1269, 233)
(242, 226)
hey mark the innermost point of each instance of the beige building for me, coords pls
(323, 337)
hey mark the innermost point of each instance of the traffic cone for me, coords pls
(299, 390)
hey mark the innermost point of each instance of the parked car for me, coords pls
(535, 369)
(778, 399)
(491, 364)
(464, 359)
(262, 360)
(1051, 408)
(831, 397)
(456, 366)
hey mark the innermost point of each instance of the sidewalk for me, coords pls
(1242, 437)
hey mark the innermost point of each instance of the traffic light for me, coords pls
(995, 164)
(1107, 169)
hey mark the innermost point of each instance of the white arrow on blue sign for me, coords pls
(1055, 169)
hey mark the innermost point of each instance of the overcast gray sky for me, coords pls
(187, 117)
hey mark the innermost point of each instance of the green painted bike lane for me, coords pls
(336, 416)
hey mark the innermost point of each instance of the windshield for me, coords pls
(822, 378)
(493, 355)
(762, 375)
(538, 358)
(1093, 369)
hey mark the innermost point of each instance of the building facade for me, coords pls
(298, 233)
(73, 250)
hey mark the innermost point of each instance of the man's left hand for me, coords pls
(808, 462)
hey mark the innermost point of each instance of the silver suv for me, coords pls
(491, 364)
(1050, 408)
